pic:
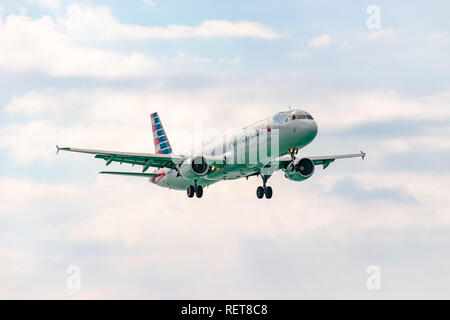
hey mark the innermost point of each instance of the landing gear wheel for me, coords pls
(199, 191)
(190, 191)
(268, 192)
(260, 192)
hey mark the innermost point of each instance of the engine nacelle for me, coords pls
(299, 169)
(194, 168)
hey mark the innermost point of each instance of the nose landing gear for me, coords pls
(264, 190)
(293, 152)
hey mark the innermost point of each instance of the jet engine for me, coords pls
(194, 168)
(299, 169)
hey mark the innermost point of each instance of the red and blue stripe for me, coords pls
(162, 145)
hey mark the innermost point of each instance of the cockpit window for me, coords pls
(298, 115)
(292, 115)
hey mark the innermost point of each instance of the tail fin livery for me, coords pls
(162, 145)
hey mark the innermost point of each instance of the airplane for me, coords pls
(258, 149)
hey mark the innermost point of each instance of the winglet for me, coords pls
(363, 155)
(57, 149)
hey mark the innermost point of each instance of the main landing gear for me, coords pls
(195, 189)
(264, 190)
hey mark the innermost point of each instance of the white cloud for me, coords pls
(13, 191)
(132, 223)
(35, 103)
(377, 34)
(182, 58)
(55, 53)
(299, 55)
(124, 213)
(89, 23)
(236, 60)
(320, 41)
(149, 3)
(22, 10)
(439, 37)
(350, 109)
(51, 4)
(60, 46)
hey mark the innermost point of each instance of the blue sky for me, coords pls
(89, 73)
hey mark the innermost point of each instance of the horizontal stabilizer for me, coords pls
(136, 174)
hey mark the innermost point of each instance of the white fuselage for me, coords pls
(247, 151)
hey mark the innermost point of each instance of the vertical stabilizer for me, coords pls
(162, 145)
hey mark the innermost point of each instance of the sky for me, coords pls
(374, 74)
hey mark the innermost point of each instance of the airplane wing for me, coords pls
(321, 160)
(134, 174)
(146, 160)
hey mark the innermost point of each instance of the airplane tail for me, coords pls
(162, 145)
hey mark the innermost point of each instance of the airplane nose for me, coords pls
(311, 130)
(314, 129)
